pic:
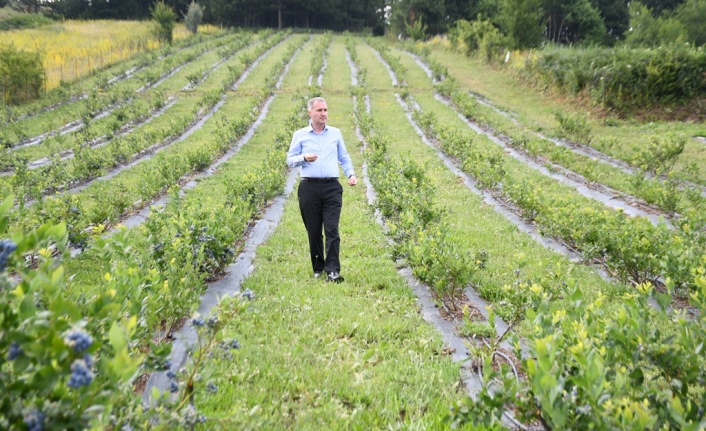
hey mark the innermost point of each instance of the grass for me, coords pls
(592, 170)
(472, 224)
(169, 87)
(350, 356)
(53, 119)
(536, 110)
(356, 355)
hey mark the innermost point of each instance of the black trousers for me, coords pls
(320, 205)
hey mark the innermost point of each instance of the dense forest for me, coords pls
(527, 23)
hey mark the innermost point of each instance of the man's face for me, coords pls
(318, 113)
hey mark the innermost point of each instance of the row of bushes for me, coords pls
(594, 364)
(633, 249)
(70, 356)
(70, 352)
(155, 175)
(624, 79)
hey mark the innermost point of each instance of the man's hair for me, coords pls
(310, 103)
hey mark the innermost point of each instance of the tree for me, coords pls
(21, 74)
(407, 13)
(522, 22)
(165, 20)
(692, 14)
(646, 30)
(659, 7)
(193, 17)
(28, 6)
(616, 18)
(643, 26)
(573, 21)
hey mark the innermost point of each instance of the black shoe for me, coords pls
(334, 277)
(318, 274)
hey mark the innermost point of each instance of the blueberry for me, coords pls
(80, 374)
(14, 352)
(34, 420)
(79, 340)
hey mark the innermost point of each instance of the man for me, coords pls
(318, 149)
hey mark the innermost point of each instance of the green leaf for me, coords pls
(27, 307)
(547, 382)
(637, 376)
(6, 205)
(117, 337)
(57, 231)
(3, 224)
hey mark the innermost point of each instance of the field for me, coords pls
(499, 244)
(73, 49)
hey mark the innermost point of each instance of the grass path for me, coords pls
(321, 356)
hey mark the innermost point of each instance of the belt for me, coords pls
(319, 180)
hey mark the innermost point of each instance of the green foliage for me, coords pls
(417, 30)
(624, 79)
(193, 17)
(574, 22)
(522, 21)
(633, 249)
(476, 329)
(421, 17)
(21, 74)
(441, 263)
(164, 18)
(591, 367)
(482, 37)
(24, 20)
(66, 363)
(471, 33)
(692, 15)
(177, 409)
(658, 156)
(683, 25)
(574, 127)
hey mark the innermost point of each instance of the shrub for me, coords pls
(21, 74)
(625, 79)
(165, 19)
(65, 365)
(193, 17)
(20, 21)
(479, 36)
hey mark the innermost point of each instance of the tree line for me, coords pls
(527, 23)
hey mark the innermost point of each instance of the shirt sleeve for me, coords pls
(295, 158)
(344, 158)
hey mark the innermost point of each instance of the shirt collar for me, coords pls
(311, 128)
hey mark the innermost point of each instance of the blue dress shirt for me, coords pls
(328, 145)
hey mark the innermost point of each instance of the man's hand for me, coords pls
(352, 180)
(309, 157)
